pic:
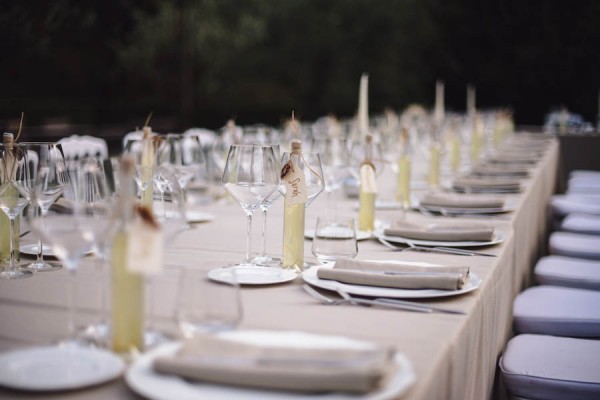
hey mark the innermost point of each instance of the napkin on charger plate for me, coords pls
(396, 275)
(502, 170)
(453, 200)
(222, 361)
(447, 232)
(486, 183)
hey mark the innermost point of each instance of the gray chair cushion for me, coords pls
(583, 185)
(584, 173)
(575, 245)
(553, 310)
(582, 203)
(568, 272)
(582, 223)
(552, 368)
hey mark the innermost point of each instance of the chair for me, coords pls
(568, 272)
(562, 205)
(581, 223)
(575, 245)
(552, 310)
(551, 368)
(587, 174)
(206, 136)
(77, 147)
(583, 184)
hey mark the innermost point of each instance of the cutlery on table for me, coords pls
(437, 249)
(382, 302)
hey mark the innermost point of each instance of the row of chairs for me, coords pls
(556, 354)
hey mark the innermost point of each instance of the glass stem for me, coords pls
(162, 202)
(264, 232)
(71, 303)
(102, 282)
(11, 264)
(248, 235)
(40, 251)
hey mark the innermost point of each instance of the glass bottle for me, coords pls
(294, 205)
(367, 189)
(12, 195)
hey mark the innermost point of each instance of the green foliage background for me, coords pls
(201, 62)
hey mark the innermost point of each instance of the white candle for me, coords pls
(471, 99)
(438, 114)
(363, 105)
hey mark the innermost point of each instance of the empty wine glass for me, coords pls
(144, 153)
(207, 307)
(335, 159)
(15, 185)
(183, 155)
(251, 175)
(310, 165)
(47, 164)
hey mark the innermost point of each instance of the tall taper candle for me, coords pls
(363, 105)
(439, 111)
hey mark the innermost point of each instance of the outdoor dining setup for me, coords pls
(403, 255)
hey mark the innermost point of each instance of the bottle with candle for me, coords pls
(435, 155)
(367, 189)
(127, 284)
(10, 197)
(455, 145)
(476, 140)
(294, 205)
(404, 170)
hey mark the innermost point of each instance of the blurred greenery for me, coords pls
(199, 62)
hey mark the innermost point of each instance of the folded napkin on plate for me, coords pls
(485, 183)
(396, 275)
(443, 232)
(500, 170)
(460, 201)
(513, 159)
(222, 361)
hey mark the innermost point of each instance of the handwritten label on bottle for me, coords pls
(295, 184)
(145, 248)
(368, 182)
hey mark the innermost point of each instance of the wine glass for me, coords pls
(144, 154)
(263, 257)
(251, 175)
(207, 307)
(183, 155)
(47, 164)
(15, 184)
(361, 151)
(335, 159)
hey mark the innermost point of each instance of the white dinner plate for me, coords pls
(360, 235)
(58, 368)
(143, 380)
(193, 216)
(252, 275)
(509, 205)
(498, 238)
(32, 249)
(310, 276)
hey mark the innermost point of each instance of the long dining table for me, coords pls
(453, 356)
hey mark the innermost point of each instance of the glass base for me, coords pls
(265, 259)
(98, 335)
(43, 266)
(15, 274)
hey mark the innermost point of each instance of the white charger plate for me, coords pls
(310, 277)
(32, 249)
(58, 368)
(193, 216)
(509, 205)
(143, 380)
(498, 238)
(252, 275)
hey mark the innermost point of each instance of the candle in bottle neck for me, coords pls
(439, 110)
(471, 100)
(363, 105)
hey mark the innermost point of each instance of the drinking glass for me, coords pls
(251, 175)
(263, 257)
(334, 237)
(15, 184)
(204, 306)
(183, 155)
(73, 230)
(47, 164)
(310, 164)
(360, 151)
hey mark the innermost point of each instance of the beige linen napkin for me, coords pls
(486, 183)
(500, 170)
(395, 275)
(222, 361)
(460, 201)
(451, 232)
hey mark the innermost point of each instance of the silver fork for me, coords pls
(437, 249)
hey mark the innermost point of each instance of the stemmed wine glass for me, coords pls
(14, 196)
(47, 164)
(251, 175)
(263, 257)
(73, 230)
(335, 158)
(183, 155)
